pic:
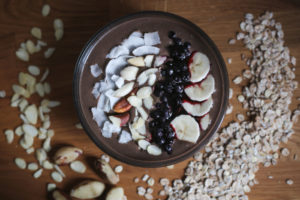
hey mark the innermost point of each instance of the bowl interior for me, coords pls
(112, 35)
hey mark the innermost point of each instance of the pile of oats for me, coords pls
(227, 167)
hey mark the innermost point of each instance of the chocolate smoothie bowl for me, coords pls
(150, 89)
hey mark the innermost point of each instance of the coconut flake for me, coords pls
(109, 128)
(2, 94)
(9, 136)
(96, 70)
(119, 81)
(36, 32)
(112, 99)
(125, 137)
(154, 150)
(45, 10)
(114, 66)
(152, 38)
(143, 144)
(118, 51)
(95, 91)
(144, 50)
(133, 42)
(98, 115)
(148, 102)
(136, 34)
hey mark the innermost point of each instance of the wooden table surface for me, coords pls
(219, 19)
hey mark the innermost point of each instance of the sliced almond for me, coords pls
(46, 10)
(154, 150)
(47, 88)
(78, 166)
(30, 150)
(148, 60)
(138, 123)
(26, 141)
(144, 92)
(59, 33)
(137, 61)
(46, 144)
(30, 130)
(32, 166)
(124, 90)
(135, 101)
(51, 187)
(45, 75)
(41, 155)
(19, 131)
(36, 32)
(9, 136)
(143, 144)
(58, 24)
(134, 134)
(53, 104)
(47, 165)
(56, 177)
(34, 70)
(20, 162)
(49, 52)
(23, 104)
(148, 102)
(151, 79)
(22, 54)
(30, 47)
(129, 73)
(31, 114)
(142, 112)
(38, 173)
(40, 89)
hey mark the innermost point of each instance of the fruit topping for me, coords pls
(201, 91)
(186, 128)
(199, 66)
(197, 109)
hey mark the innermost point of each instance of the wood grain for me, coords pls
(219, 19)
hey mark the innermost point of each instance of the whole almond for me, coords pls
(66, 155)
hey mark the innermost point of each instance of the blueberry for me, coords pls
(169, 89)
(161, 141)
(178, 70)
(155, 114)
(163, 72)
(171, 34)
(179, 88)
(164, 99)
(168, 148)
(177, 40)
(186, 78)
(170, 72)
(168, 114)
(159, 132)
(169, 64)
(187, 45)
(184, 68)
(153, 124)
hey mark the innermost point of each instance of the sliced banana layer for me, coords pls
(199, 67)
(186, 128)
(198, 109)
(201, 91)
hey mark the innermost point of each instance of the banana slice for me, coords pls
(205, 122)
(199, 66)
(201, 91)
(198, 109)
(186, 128)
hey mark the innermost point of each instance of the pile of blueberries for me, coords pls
(170, 91)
